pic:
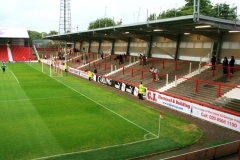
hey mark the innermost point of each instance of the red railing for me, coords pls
(209, 82)
(220, 66)
(47, 49)
(179, 97)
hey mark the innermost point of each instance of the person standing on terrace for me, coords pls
(95, 70)
(144, 59)
(213, 61)
(225, 65)
(140, 59)
(156, 71)
(231, 64)
(153, 74)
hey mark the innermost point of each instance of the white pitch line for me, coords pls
(106, 108)
(14, 100)
(156, 137)
(103, 106)
(14, 76)
(90, 150)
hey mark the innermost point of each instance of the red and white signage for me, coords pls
(215, 116)
(174, 103)
(202, 112)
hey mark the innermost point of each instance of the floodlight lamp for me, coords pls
(233, 31)
(157, 30)
(206, 26)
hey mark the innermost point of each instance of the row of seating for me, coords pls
(20, 53)
(3, 53)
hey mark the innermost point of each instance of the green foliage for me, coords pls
(224, 11)
(34, 35)
(52, 33)
(220, 10)
(103, 22)
(152, 17)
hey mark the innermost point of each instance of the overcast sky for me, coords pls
(43, 15)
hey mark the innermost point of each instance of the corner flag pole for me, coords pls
(160, 117)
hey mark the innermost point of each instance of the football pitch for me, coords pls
(65, 117)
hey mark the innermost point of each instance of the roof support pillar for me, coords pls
(99, 45)
(149, 50)
(113, 45)
(177, 47)
(128, 46)
(81, 42)
(219, 46)
(89, 46)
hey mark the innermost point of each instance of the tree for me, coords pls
(221, 10)
(205, 6)
(152, 17)
(100, 23)
(34, 35)
(53, 33)
(224, 11)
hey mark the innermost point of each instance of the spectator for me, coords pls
(225, 65)
(95, 70)
(82, 60)
(156, 71)
(116, 58)
(144, 59)
(89, 75)
(140, 59)
(231, 64)
(140, 91)
(153, 74)
(213, 61)
(120, 59)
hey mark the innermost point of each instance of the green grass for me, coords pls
(43, 116)
(215, 143)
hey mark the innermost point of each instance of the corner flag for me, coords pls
(161, 116)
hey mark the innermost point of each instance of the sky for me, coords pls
(43, 15)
